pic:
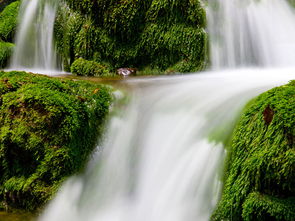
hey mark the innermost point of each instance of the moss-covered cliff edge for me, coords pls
(48, 128)
(260, 179)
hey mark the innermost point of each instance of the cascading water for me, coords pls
(161, 157)
(157, 163)
(34, 38)
(251, 33)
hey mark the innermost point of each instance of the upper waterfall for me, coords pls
(251, 33)
(35, 48)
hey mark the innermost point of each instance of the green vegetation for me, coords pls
(260, 182)
(8, 21)
(48, 129)
(4, 3)
(161, 35)
(83, 67)
(5, 53)
(292, 2)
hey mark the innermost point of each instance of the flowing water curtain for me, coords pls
(34, 39)
(251, 33)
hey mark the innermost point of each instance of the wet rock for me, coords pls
(126, 71)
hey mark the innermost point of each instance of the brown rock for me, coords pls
(268, 114)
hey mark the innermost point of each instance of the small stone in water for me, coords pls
(126, 71)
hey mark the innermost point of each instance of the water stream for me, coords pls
(161, 159)
(35, 50)
(247, 33)
(157, 163)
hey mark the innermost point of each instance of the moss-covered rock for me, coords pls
(48, 128)
(260, 180)
(144, 33)
(8, 21)
(6, 50)
(4, 3)
(84, 67)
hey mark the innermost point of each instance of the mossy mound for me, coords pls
(8, 21)
(159, 34)
(83, 67)
(48, 128)
(260, 180)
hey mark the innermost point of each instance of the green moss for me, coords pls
(265, 208)
(4, 3)
(86, 41)
(163, 46)
(67, 25)
(8, 21)
(260, 178)
(89, 68)
(292, 2)
(48, 129)
(163, 35)
(5, 53)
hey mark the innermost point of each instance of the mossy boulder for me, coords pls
(6, 50)
(260, 179)
(48, 128)
(144, 33)
(84, 67)
(8, 21)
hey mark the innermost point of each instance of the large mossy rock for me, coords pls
(260, 179)
(48, 128)
(160, 34)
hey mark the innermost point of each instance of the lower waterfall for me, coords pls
(162, 159)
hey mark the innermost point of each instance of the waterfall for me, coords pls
(247, 33)
(35, 50)
(163, 154)
(158, 162)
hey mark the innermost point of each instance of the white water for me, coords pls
(158, 162)
(251, 33)
(35, 50)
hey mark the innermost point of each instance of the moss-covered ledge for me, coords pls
(260, 180)
(48, 128)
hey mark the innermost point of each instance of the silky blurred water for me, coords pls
(251, 33)
(158, 162)
(35, 49)
(162, 159)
